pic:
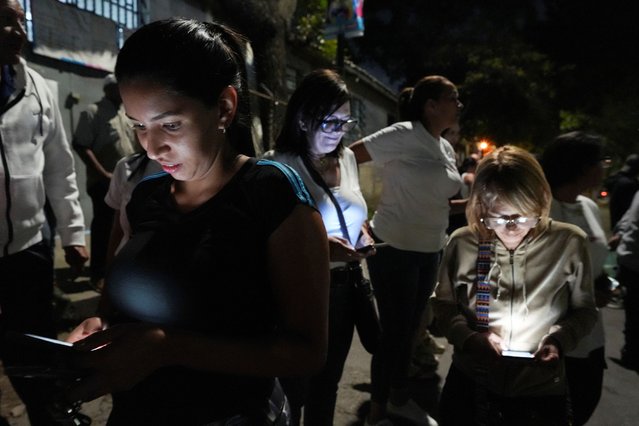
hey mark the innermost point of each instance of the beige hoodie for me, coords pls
(542, 289)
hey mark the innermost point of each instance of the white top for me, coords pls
(121, 188)
(464, 192)
(585, 214)
(103, 128)
(628, 228)
(419, 175)
(348, 194)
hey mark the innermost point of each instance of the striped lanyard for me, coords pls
(482, 296)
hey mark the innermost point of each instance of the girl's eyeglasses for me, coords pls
(500, 222)
(337, 125)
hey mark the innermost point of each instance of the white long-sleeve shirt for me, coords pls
(36, 164)
(628, 229)
(585, 214)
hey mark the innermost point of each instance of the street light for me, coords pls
(483, 145)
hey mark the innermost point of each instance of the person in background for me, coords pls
(467, 171)
(37, 165)
(627, 236)
(128, 172)
(223, 285)
(317, 117)
(574, 163)
(453, 136)
(514, 296)
(622, 187)
(458, 219)
(425, 358)
(419, 177)
(102, 137)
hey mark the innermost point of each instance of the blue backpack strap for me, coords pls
(294, 178)
(153, 176)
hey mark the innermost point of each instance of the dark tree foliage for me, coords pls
(595, 46)
(527, 70)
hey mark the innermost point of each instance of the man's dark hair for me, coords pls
(568, 157)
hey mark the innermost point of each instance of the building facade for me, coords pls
(74, 44)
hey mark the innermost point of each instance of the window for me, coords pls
(26, 6)
(123, 12)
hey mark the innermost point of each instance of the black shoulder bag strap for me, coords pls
(366, 317)
(320, 181)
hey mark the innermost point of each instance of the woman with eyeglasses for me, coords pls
(515, 294)
(419, 176)
(317, 117)
(574, 163)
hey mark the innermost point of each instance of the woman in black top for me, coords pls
(219, 290)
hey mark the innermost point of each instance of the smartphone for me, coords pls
(49, 340)
(366, 249)
(517, 354)
(41, 356)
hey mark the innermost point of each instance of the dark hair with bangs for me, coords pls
(511, 176)
(319, 94)
(194, 59)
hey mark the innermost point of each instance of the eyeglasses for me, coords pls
(336, 125)
(500, 222)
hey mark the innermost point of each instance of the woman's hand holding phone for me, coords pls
(548, 352)
(131, 353)
(86, 328)
(365, 250)
(342, 251)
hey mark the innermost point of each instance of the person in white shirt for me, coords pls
(627, 234)
(126, 175)
(419, 177)
(36, 165)
(574, 163)
(102, 137)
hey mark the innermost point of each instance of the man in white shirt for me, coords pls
(36, 165)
